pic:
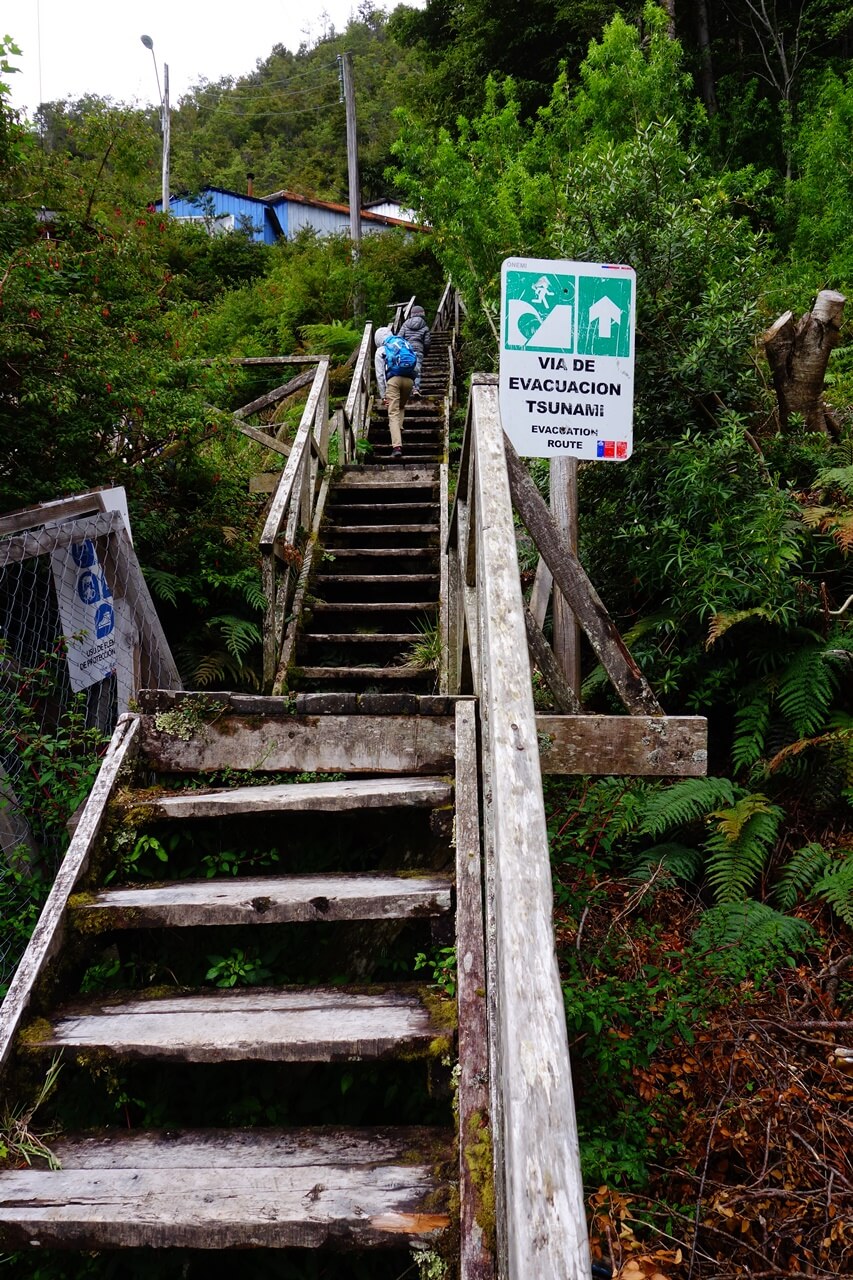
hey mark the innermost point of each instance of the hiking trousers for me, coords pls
(397, 392)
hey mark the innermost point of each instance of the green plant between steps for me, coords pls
(18, 1142)
(442, 964)
(425, 651)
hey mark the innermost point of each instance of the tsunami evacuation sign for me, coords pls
(567, 358)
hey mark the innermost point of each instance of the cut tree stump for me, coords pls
(798, 352)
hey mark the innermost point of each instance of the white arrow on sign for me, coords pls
(606, 313)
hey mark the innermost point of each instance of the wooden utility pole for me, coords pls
(352, 151)
(167, 133)
(564, 508)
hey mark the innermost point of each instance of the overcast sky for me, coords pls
(73, 47)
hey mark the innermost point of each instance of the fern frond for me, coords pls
(254, 596)
(805, 690)
(209, 669)
(836, 478)
(836, 887)
(679, 861)
(649, 623)
(800, 874)
(814, 517)
(721, 622)
(739, 846)
(841, 528)
(751, 725)
(239, 634)
(807, 744)
(684, 802)
(168, 586)
(750, 934)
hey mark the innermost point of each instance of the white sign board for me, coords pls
(87, 612)
(567, 358)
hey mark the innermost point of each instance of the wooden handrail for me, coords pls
(540, 1204)
(357, 408)
(293, 507)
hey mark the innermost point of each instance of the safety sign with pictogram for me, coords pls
(87, 611)
(567, 358)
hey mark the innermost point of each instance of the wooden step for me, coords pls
(266, 900)
(344, 511)
(415, 477)
(288, 1024)
(371, 675)
(373, 553)
(233, 1189)
(356, 530)
(359, 638)
(351, 793)
(374, 606)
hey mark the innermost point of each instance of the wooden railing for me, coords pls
(293, 508)
(355, 417)
(402, 311)
(540, 1214)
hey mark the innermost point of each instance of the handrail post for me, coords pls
(540, 1202)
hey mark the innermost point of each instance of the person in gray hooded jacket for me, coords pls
(416, 332)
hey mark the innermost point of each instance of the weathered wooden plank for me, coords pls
(249, 361)
(287, 485)
(264, 481)
(541, 1210)
(263, 437)
(540, 593)
(288, 645)
(320, 1024)
(476, 1167)
(58, 509)
(444, 625)
(543, 655)
(634, 746)
(158, 665)
(570, 578)
(277, 394)
(565, 630)
(388, 675)
(226, 1189)
(41, 542)
(47, 935)
(371, 793)
(268, 900)
(387, 478)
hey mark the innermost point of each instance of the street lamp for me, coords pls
(165, 119)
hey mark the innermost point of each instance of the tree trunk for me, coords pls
(798, 353)
(669, 8)
(707, 84)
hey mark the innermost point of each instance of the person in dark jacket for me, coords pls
(416, 332)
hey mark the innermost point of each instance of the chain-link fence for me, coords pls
(79, 636)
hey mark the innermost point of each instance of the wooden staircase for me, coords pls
(305, 854)
(375, 593)
(227, 966)
(358, 876)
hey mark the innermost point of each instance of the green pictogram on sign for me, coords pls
(540, 310)
(604, 316)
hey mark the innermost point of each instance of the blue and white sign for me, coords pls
(87, 612)
(567, 358)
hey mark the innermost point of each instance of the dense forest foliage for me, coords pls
(704, 925)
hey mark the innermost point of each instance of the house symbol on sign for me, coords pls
(605, 313)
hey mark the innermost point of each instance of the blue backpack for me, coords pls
(400, 359)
